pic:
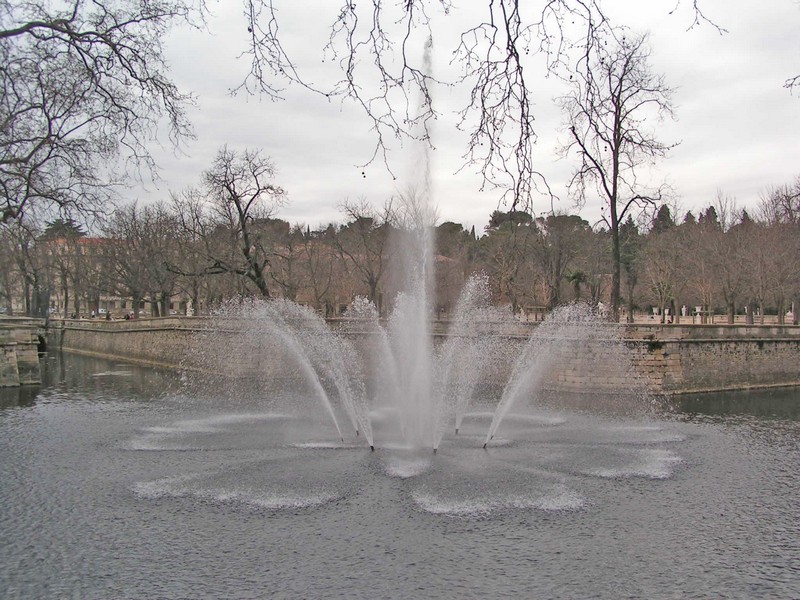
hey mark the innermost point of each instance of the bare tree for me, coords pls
(9, 276)
(61, 239)
(781, 204)
(375, 47)
(129, 274)
(611, 98)
(32, 262)
(159, 251)
(235, 219)
(631, 263)
(716, 263)
(287, 264)
(699, 246)
(83, 84)
(319, 262)
(455, 254)
(192, 236)
(777, 247)
(726, 209)
(661, 269)
(363, 242)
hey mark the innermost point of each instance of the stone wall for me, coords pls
(164, 342)
(691, 358)
(19, 356)
(669, 359)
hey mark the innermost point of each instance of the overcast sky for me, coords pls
(738, 127)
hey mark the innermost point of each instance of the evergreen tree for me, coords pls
(709, 218)
(663, 220)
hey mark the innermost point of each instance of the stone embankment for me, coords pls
(667, 359)
(698, 358)
(19, 352)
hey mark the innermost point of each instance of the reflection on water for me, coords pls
(781, 403)
(18, 396)
(99, 378)
(116, 483)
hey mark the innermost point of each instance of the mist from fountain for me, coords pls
(291, 335)
(572, 334)
(418, 386)
(425, 388)
(465, 354)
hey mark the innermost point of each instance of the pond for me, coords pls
(117, 482)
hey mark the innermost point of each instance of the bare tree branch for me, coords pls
(612, 97)
(377, 48)
(83, 85)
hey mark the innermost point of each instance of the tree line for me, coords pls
(221, 240)
(86, 89)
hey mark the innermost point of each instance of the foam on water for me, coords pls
(402, 468)
(646, 463)
(543, 420)
(214, 423)
(113, 374)
(169, 437)
(327, 445)
(181, 487)
(173, 487)
(156, 443)
(499, 443)
(556, 499)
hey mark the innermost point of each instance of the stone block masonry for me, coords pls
(668, 359)
(698, 358)
(19, 356)
(165, 342)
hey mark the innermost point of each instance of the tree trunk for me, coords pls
(631, 288)
(165, 296)
(27, 299)
(552, 296)
(373, 295)
(66, 301)
(616, 265)
(195, 300)
(261, 283)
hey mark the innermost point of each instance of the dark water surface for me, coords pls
(115, 483)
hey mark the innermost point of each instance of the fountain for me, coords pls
(491, 385)
(418, 386)
(419, 389)
(394, 386)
